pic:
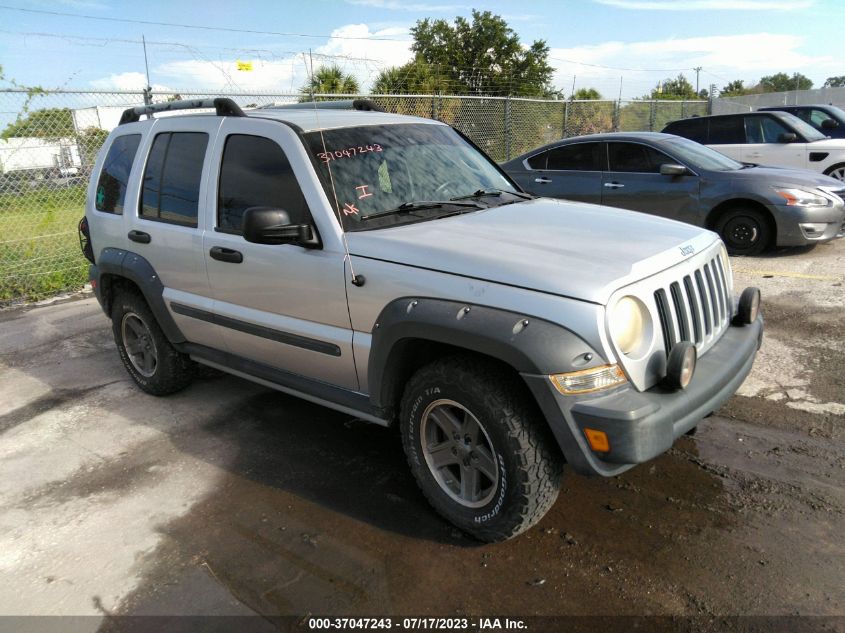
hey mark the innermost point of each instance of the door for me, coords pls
(168, 229)
(633, 181)
(571, 171)
(764, 146)
(280, 305)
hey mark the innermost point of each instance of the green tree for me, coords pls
(676, 89)
(329, 80)
(735, 88)
(415, 77)
(781, 82)
(586, 94)
(479, 57)
(48, 123)
(835, 82)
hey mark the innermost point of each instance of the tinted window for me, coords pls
(633, 157)
(726, 131)
(763, 129)
(538, 161)
(577, 157)
(256, 173)
(693, 129)
(172, 177)
(111, 187)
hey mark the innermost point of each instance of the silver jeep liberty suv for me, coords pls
(383, 266)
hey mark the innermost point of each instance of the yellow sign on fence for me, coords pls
(246, 66)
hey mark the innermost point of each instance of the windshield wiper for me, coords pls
(408, 207)
(495, 192)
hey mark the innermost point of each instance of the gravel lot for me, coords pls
(229, 498)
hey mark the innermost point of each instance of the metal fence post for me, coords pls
(684, 109)
(617, 108)
(507, 128)
(565, 117)
(652, 115)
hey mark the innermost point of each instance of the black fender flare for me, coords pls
(528, 344)
(135, 268)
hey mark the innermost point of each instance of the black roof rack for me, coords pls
(222, 106)
(366, 105)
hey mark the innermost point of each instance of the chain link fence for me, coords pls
(49, 142)
(749, 103)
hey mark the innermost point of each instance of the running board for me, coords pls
(344, 400)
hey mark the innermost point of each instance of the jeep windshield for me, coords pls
(380, 175)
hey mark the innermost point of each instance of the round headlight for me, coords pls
(628, 324)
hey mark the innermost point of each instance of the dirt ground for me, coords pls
(231, 499)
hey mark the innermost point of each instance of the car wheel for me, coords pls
(744, 231)
(152, 362)
(478, 448)
(837, 171)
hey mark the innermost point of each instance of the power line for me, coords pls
(199, 27)
(645, 70)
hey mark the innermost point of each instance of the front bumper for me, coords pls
(642, 425)
(792, 224)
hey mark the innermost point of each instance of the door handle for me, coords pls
(543, 180)
(613, 185)
(139, 236)
(226, 255)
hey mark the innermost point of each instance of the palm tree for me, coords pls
(330, 80)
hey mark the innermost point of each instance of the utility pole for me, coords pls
(148, 91)
(697, 70)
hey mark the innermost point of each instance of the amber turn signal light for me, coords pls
(598, 440)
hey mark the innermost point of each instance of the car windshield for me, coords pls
(698, 156)
(380, 170)
(804, 129)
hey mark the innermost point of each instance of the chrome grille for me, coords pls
(695, 308)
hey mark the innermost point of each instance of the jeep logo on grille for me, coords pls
(687, 250)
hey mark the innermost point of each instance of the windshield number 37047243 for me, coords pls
(349, 152)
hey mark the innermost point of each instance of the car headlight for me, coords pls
(803, 198)
(629, 324)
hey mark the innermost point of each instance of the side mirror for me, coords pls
(266, 225)
(829, 124)
(787, 137)
(671, 169)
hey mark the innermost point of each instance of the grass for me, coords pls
(39, 247)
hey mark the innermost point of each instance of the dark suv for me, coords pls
(827, 119)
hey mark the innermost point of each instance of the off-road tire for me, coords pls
(528, 460)
(173, 370)
(735, 224)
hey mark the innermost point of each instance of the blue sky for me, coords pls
(593, 42)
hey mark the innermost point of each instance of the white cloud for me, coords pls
(363, 58)
(709, 5)
(722, 57)
(126, 81)
(397, 5)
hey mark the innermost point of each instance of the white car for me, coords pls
(776, 139)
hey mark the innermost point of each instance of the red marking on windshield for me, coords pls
(350, 209)
(364, 192)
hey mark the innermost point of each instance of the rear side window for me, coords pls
(633, 157)
(726, 131)
(576, 157)
(256, 173)
(763, 129)
(693, 129)
(111, 187)
(172, 178)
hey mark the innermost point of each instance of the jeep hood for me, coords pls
(571, 249)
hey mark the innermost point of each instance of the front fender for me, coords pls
(528, 344)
